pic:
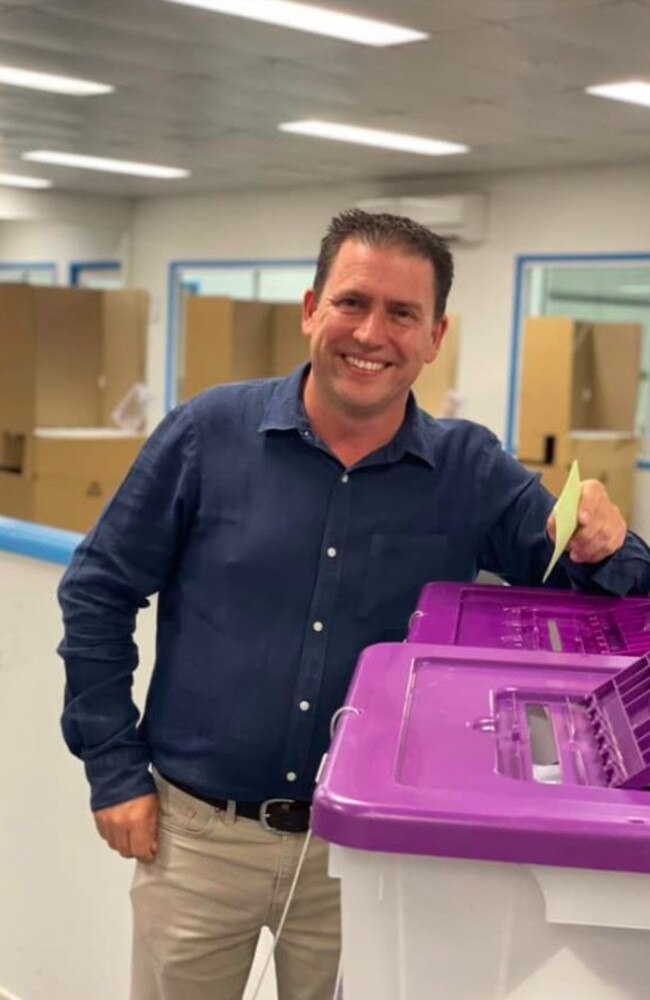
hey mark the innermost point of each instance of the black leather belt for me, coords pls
(278, 815)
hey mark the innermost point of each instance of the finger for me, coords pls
(101, 829)
(586, 547)
(123, 843)
(588, 553)
(116, 836)
(143, 844)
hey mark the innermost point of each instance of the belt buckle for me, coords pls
(266, 816)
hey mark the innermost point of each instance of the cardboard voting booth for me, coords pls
(578, 400)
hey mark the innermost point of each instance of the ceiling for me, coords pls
(206, 91)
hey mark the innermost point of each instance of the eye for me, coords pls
(348, 302)
(403, 313)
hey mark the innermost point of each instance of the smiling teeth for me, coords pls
(369, 366)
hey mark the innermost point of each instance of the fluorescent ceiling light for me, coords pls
(631, 91)
(99, 163)
(317, 20)
(14, 77)
(19, 181)
(374, 137)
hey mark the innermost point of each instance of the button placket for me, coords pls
(309, 678)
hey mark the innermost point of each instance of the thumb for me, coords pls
(550, 526)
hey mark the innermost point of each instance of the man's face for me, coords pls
(372, 329)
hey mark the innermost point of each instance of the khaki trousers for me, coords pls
(199, 908)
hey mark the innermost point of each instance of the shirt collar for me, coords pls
(285, 411)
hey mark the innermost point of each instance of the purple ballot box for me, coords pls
(530, 618)
(487, 817)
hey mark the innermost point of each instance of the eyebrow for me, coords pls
(392, 303)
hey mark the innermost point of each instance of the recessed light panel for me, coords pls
(317, 20)
(18, 180)
(12, 76)
(374, 137)
(100, 163)
(631, 91)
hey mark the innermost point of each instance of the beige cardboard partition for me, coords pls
(229, 341)
(67, 357)
(68, 475)
(225, 341)
(609, 457)
(51, 354)
(289, 345)
(439, 378)
(125, 317)
(578, 396)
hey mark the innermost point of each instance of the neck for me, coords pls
(350, 435)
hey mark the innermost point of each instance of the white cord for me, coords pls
(350, 709)
(283, 918)
(337, 995)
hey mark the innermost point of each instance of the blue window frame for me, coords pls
(89, 274)
(529, 269)
(33, 273)
(265, 280)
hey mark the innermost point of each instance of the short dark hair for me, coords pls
(384, 230)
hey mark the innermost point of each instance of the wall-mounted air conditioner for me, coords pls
(461, 217)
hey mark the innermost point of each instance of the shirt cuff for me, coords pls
(117, 777)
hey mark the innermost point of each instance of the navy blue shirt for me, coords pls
(275, 567)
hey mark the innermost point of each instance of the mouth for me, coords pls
(365, 364)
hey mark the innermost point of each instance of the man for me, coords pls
(285, 525)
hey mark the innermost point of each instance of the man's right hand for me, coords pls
(131, 828)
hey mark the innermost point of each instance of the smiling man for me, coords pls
(286, 524)
(373, 325)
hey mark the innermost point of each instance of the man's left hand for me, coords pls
(601, 526)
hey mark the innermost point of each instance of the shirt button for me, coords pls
(306, 434)
(291, 775)
(304, 706)
(331, 552)
(344, 477)
(318, 626)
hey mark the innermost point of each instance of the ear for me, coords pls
(309, 306)
(437, 334)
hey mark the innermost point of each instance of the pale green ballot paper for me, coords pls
(566, 516)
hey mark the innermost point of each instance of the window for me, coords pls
(592, 288)
(32, 274)
(96, 274)
(264, 281)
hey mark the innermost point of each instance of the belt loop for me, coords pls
(230, 814)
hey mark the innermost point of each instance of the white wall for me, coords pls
(64, 908)
(64, 921)
(48, 227)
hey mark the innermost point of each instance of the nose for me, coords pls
(370, 331)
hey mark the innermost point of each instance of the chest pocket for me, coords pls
(398, 568)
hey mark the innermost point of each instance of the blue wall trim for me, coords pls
(521, 262)
(172, 305)
(7, 265)
(37, 541)
(78, 266)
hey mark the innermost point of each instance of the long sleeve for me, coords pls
(124, 560)
(517, 547)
